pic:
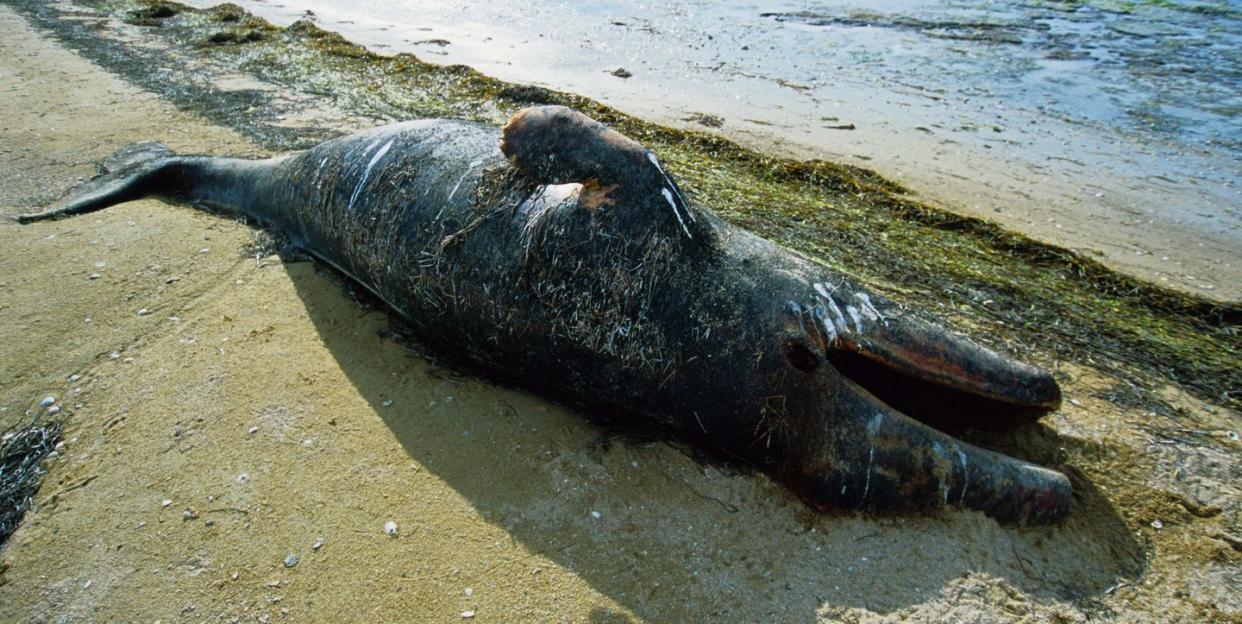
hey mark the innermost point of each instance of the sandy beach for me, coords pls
(241, 428)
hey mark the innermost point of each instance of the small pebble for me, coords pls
(74, 377)
(254, 430)
(47, 401)
(166, 502)
(291, 560)
(386, 402)
(235, 576)
(1076, 402)
(53, 410)
(318, 544)
(390, 527)
(1156, 524)
(190, 513)
(87, 584)
(143, 312)
(597, 515)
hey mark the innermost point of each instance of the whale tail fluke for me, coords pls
(152, 170)
(131, 173)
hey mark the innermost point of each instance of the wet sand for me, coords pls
(255, 409)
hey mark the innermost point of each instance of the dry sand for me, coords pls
(253, 409)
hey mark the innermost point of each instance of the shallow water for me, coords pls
(1123, 115)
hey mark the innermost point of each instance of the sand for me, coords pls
(235, 408)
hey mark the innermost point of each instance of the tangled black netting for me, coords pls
(21, 470)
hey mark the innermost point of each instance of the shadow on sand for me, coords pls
(673, 539)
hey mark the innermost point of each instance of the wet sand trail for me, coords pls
(256, 410)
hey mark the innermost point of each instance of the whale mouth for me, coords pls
(938, 377)
(934, 403)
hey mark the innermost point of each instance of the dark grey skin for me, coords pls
(560, 255)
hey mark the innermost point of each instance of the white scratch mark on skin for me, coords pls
(867, 485)
(839, 319)
(668, 196)
(453, 192)
(685, 205)
(826, 322)
(797, 309)
(870, 310)
(965, 476)
(856, 318)
(873, 427)
(367, 173)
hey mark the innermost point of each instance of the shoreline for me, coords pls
(1110, 196)
(271, 410)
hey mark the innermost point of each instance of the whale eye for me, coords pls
(800, 356)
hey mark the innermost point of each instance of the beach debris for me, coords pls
(319, 542)
(253, 430)
(22, 451)
(166, 502)
(390, 528)
(597, 515)
(143, 312)
(705, 119)
(1157, 524)
(386, 402)
(466, 615)
(190, 514)
(621, 72)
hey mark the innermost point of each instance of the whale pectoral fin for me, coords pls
(558, 145)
